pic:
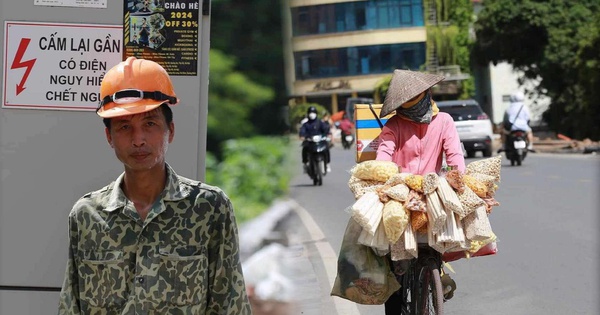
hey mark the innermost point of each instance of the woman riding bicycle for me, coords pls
(416, 138)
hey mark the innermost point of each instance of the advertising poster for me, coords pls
(57, 65)
(164, 31)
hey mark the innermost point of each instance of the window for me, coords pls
(361, 60)
(394, 16)
(300, 21)
(461, 110)
(355, 16)
(360, 16)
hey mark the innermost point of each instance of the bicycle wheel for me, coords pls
(406, 291)
(430, 299)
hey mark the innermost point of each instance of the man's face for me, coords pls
(140, 141)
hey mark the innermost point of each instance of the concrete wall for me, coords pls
(301, 3)
(504, 81)
(49, 158)
(360, 38)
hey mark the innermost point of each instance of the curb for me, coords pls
(308, 253)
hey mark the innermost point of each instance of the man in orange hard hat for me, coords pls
(151, 241)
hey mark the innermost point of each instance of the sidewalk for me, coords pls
(303, 257)
(280, 225)
(558, 145)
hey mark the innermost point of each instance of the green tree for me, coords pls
(588, 67)
(231, 99)
(451, 39)
(256, 42)
(381, 88)
(552, 40)
(247, 96)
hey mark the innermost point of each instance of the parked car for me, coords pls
(473, 125)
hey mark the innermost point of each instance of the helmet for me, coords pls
(135, 86)
(517, 96)
(311, 113)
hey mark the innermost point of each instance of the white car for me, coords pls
(473, 125)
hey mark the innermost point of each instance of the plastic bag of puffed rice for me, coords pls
(360, 186)
(490, 166)
(375, 170)
(477, 225)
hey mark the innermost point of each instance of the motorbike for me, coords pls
(515, 147)
(347, 140)
(346, 136)
(317, 147)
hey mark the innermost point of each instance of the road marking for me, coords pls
(328, 257)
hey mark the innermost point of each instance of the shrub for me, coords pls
(253, 173)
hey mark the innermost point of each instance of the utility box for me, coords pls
(367, 125)
(53, 148)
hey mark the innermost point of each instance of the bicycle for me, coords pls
(421, 285)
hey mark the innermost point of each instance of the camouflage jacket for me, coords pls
(183, 259)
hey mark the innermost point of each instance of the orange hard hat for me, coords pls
(135, 86)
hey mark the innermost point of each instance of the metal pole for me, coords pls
(204, 50)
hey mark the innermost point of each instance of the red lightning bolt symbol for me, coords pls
(17, 63)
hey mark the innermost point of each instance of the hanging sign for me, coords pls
(72, 3)
(57, 65)
(163, 31)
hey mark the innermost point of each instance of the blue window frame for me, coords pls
(356, 16)
(361, 60)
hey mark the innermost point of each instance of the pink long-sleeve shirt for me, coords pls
(418, 148)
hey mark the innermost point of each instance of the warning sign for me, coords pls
(57, 66)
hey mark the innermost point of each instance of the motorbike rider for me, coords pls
(346, 126)
(329, 122)
(312, 127)
(516, 117)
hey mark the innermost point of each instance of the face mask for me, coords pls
(421, 112)
(312, 116)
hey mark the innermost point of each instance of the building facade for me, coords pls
(336, 49)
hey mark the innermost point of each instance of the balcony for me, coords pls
(451, 73)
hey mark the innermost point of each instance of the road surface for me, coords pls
(547, 228)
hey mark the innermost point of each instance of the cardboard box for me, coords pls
(367, 130)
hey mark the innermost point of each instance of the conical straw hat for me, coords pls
(406, 84)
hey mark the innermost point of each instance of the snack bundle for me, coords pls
(450, 211)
